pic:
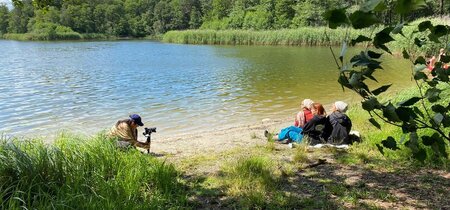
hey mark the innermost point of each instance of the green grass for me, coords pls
(307, 36)
(84, 174)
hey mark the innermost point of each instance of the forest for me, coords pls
(72, 19)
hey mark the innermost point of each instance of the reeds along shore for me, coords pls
(307, 36)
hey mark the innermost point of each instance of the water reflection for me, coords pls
(86, 86)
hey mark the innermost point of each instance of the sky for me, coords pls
(7, 2)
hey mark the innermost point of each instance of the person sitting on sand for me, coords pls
(126, 132)
(294, 133)
(305, 114)
(314, 128)
(338, 124)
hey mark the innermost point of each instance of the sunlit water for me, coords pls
(85, 87)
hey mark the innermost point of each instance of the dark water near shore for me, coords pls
(84, 87)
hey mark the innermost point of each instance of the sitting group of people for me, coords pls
(313, 124)
(433, 60)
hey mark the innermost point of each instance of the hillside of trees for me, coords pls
(140, 18)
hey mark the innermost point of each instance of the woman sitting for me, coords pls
(339, 124)
(305, 114)
(295, 134)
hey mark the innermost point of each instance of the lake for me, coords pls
(85, 87)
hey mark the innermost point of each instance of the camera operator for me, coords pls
(126, 132)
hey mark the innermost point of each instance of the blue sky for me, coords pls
(8, 2)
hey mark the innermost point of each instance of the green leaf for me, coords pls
(390, 143)
(438, 117)
(405, 54)
(439, 108)
(375, 123)
(425, 25)
(417, 111)
(428, 140)
(445, 58)
(432, 94)
(418, 42)
(360, 39)
(398, 29)
(373, 5)
(420, 60)
(407, 6)
(381, 89)
(421, 155)
(344, 82)
(370, 104)
(360, 19)
(390, 114)
(373, 54)
(441, 74)
(410, 101)
(405, 113)
(440, 31)
(381, 38)
(419, 67)
(336, 17)
(420, 75)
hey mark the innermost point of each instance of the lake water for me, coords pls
(85, 87)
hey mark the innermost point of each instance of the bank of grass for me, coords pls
(306, 36)
(81, 173)
(56, 36)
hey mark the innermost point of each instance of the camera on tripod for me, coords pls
(149, 131)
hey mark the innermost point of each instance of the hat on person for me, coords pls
(340, 106)
(137, 119)
(307, 103)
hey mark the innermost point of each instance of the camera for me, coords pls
(149, 131)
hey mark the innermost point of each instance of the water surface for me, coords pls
(85, 87)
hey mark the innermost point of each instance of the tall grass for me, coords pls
(57, 36)
(307, 36)
(80, 173)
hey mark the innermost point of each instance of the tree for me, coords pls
(425, 111)
(4, 14)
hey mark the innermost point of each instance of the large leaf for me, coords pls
(390, 114)
(360, 19)
(425, 25)
(370, 104)
(408, 6)
(360, 39)
(439, 108)
(390, 143)
(441, 74)
(440, 30)
(421, 155)
(336, 17)
(344, 82)
(420, 75)
(445, 58)
(420, 60)
(432, 94)
(438, 117)
(381, 38)
(381, 89)
(410, 101)
(375, 123)
(373, 54)
(373, 5)
(405, 114)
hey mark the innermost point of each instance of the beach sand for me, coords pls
(217, 141)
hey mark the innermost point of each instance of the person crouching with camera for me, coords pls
(127, 134)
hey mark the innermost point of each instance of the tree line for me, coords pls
(140, 18)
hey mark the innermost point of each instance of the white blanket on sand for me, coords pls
(341, 146)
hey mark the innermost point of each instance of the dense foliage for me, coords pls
(424, 117)
(139, 18)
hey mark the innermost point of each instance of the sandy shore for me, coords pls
(218, 140)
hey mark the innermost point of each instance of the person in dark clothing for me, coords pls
(338, 125)
(312, 131)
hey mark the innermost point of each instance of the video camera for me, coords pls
(149, 131)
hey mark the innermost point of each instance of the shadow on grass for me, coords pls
(334, 186)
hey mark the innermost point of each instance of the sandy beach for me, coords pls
(216, 141)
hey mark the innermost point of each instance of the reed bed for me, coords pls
(80, 173)
(307, 36)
